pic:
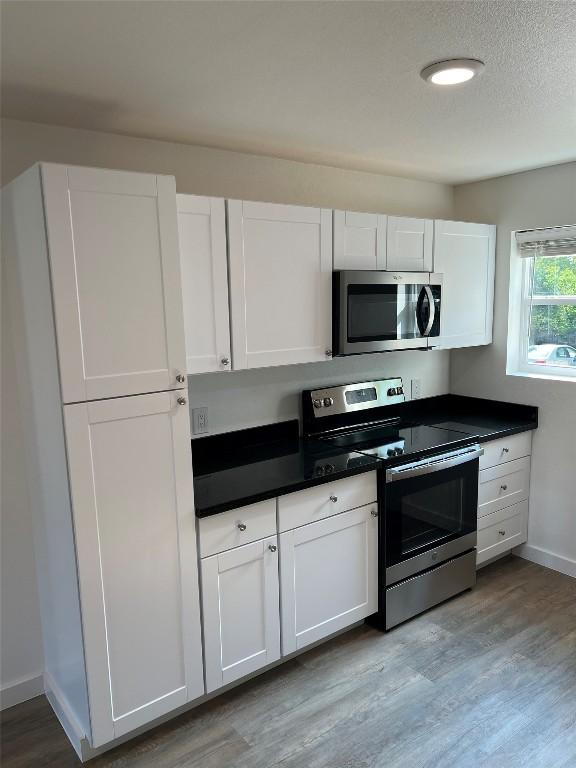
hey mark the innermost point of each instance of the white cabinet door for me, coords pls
(464, 254)
(134, 523)
(240, 610)
(202, 231)
(328, 576)
(280, 283)
(409, 247)
(113, 244)
(359, 240)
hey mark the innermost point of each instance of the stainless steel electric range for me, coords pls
(428, 492)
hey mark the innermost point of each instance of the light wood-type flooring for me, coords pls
(487, 680)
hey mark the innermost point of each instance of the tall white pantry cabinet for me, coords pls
(93, 263)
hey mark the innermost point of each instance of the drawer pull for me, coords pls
(333, 499)
(502, 533)
(505, 450)
(241, 526)
(504, 487)
(374, 513)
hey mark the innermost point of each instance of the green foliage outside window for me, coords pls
(554, 324)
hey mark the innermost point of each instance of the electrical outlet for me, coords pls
(199, 421)
(416, 389)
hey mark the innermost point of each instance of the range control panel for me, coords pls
(347, 398)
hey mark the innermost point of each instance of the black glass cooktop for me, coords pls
(392, 442)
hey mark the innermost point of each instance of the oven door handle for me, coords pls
(438, 464)
(425, 293)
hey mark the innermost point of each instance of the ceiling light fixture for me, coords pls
(452, 71)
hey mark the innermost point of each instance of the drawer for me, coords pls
(506, 449)
(224, 531)
(501, 531)
(503, 485)
(411, 597)
(303, 507)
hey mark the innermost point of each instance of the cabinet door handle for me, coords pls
(225, 361)
(180, 378)
(504, 487)
(333, 498)
(374, 513)
(181, 401)
(328, 353)
(241, 526)
(502, 533)
(272, 547)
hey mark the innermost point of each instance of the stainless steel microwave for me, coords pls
(382, 311)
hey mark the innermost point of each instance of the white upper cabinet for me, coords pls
(202, 232)
(359, 240)
(464, 254)
(328, 576)
(113, 245)
(409, 244)
(134, 525)
(241, 611)
(280, 283)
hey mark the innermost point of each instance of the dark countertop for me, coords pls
(247, 466)
(244, 467)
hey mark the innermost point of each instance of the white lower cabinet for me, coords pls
(135, 536)
(504, 487)
(241, 611)
(501, 531)
(328, 576)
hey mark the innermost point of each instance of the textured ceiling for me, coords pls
(328, 82)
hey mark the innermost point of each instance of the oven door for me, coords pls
(381, 311)
(430, 512)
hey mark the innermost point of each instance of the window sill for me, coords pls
(545, 376)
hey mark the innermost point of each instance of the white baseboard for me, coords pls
(546, 558)
(21, 690)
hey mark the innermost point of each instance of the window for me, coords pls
(547, 322)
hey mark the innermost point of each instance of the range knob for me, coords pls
(390, 452)
(328, 401)
(399, 451)
(392, 391)
(317, 403)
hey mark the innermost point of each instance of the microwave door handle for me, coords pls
(426, 468)
(426, 292)
(419, 308)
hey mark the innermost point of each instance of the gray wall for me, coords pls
(539, 198)
(234, 400)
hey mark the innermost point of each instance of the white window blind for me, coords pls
(554, 241)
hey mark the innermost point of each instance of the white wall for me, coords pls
(249, 398)
(234, 400)
(204, 171)
(539, 198)
(21, 642)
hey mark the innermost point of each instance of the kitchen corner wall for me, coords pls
(539, 198)
(234, 400)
